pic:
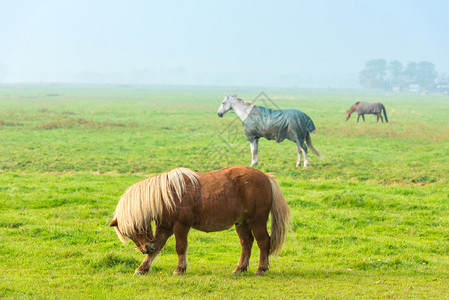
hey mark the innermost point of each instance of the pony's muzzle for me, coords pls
(220, 115)
(149, 248)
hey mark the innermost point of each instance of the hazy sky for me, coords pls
(268, 43)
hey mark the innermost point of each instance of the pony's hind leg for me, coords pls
(246, 241)
(263, 242)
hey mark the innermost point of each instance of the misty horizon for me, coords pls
(288, 44)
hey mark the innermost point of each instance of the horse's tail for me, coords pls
(280, 217)
(385, 113)
(309, 143)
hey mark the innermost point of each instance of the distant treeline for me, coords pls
(379, 73)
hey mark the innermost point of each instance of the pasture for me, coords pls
(370, 220)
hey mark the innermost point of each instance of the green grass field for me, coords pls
(370, 220)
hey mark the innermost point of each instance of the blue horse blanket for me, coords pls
(369, 108)
(277, 125)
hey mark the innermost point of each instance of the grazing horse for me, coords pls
(362, 108)
(182, 199)
(277, 125)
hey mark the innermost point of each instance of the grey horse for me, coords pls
(277, 125)
(362, 108)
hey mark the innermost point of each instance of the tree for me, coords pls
(373, 76)
(422, 74)
(411, 72)
(426, 74)
(396, 72)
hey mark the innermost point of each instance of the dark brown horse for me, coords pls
(363, 108)
(182, 199)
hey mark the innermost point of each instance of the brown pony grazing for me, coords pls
(362, 108)
(182, 199)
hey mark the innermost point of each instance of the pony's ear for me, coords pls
(113, 223)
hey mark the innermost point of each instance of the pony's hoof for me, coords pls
(261, 271)
(179, 271)
(239, 270)
(140, 272)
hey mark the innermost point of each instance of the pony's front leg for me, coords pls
(161, 237)
(181, 231)
(254, 148)
(146, 264)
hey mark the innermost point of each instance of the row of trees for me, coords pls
(379, 73)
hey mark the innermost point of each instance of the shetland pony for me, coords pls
(182, 199)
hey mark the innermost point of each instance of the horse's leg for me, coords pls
(382, 119)
(363, 117)
(181, 231)
(260, 232)
(306, 158)
(298, 162)
(161, 237)
(377, 118)
(358, 117)
(254, 148)
(246, 241)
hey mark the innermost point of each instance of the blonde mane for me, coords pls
(144, 201)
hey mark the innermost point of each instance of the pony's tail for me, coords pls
(309, 143)
(385, 114)
(280, 217)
